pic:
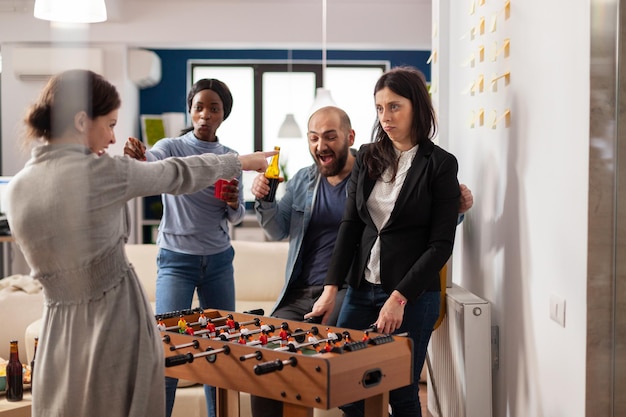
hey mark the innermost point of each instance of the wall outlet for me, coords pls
(557, 309)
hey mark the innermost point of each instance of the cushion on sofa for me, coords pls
(21, 303)
(259, 273)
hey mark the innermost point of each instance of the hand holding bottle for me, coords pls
(261, 186)
(272, 173)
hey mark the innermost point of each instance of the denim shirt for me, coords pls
(290, 217)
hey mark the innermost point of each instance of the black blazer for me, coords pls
(418, 238)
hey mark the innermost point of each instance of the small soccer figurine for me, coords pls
(331, 335)
(210, 326)
(182, 324)
(263, 338)
(283, 334)
(329, 346)
(230, 322)
(161, 325)
(366, 336)
(202, 320)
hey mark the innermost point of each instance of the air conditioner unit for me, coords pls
(144, 68)
(41, 63)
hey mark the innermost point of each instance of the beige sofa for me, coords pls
(259, 277)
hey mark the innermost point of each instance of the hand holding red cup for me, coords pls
(227, 190)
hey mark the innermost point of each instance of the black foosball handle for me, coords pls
(268, 367)
(273, 366)
(178, 360)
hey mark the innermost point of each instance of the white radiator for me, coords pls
(459, 358)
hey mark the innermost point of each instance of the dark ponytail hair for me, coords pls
(409, 83)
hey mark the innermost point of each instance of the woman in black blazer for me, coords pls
(398, 227)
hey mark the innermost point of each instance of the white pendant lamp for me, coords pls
(289, 128)
(71, 11)
(323, 97)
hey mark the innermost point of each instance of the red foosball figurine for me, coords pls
(263, 337)
(210, 326)
(283, 334)
(329, 346)
(189, 330)
(230, 322)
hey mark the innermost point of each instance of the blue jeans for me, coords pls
(360, 310)
(179, 275)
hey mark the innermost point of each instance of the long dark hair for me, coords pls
(66, 94)
(219, 87)
(409, 83)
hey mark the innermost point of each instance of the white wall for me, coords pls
(17, 95)
(526, 237)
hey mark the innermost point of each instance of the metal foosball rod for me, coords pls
(245, 332)
(189, 357)
(194, 343)
(258, 355)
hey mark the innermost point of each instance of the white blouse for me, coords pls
(380, 204)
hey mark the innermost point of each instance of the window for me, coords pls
(263, 93)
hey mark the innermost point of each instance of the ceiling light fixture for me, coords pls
(289, 128)
(71, 11)
(322, 95)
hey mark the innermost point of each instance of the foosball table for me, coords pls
(304, 365)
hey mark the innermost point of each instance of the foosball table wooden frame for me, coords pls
(314, 366)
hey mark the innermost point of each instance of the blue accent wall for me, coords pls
(170, 94)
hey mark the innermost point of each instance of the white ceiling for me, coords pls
(352, 24)
(26, 6)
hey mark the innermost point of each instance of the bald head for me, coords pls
(332, 112)
(330, 136)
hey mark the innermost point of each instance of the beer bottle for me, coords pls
(15, 383)
(32, 362)
(272, 173)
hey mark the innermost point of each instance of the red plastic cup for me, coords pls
(218, 188)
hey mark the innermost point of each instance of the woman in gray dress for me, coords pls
(99, 351)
